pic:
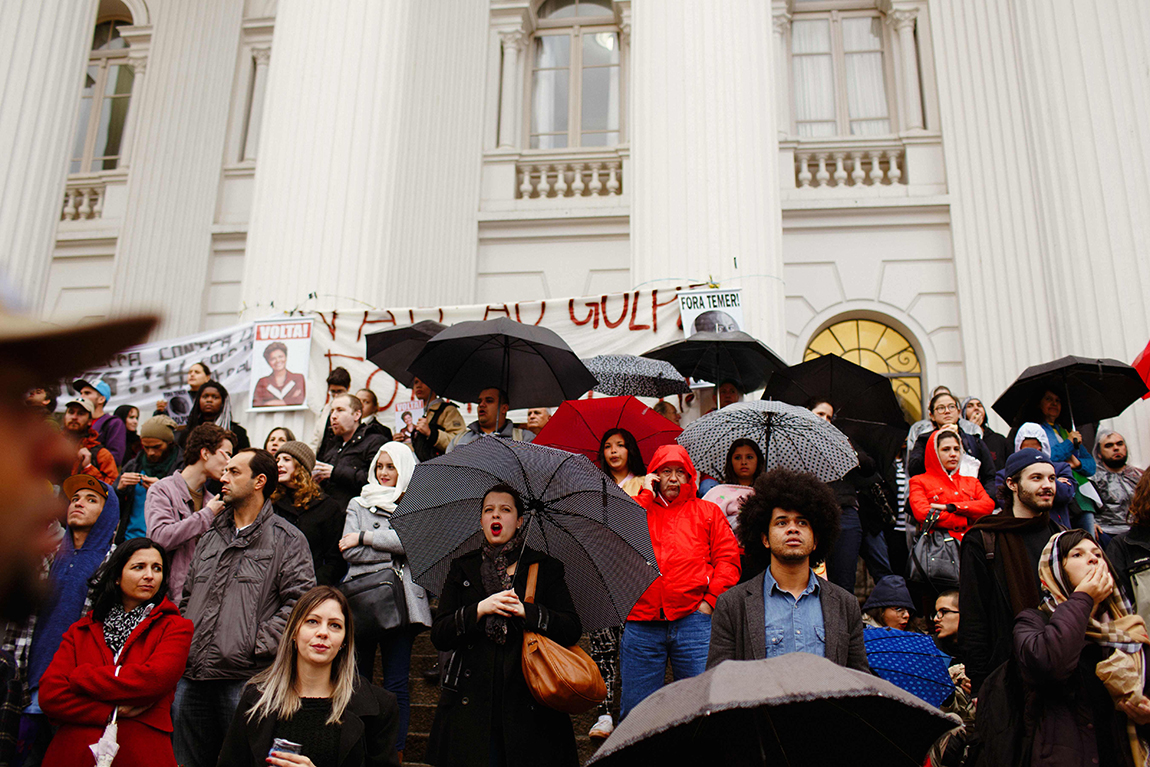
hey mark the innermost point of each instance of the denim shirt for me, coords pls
(793, 625)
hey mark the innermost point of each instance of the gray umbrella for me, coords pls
(798, 709)
(621, 375)
(789, 436)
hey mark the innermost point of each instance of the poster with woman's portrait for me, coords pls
(280, 359)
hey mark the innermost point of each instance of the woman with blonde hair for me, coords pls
(299, 500)
(311, 707)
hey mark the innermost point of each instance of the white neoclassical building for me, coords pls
(946, 190)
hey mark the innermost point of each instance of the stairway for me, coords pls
(425, 696)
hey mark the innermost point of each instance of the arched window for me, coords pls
(876, 347)
(575, 76)
(104, 101)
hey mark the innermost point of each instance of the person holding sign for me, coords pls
(282, 388)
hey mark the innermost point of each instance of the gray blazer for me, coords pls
(738, 630)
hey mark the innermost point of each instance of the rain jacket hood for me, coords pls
(1032, 431)
(934, 460)
(669, 455)
(962, 494)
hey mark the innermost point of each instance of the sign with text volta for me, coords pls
(281, 353)
(713, 311)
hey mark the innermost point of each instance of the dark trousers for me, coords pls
(395, 656)
(842, 564)
(202, 712)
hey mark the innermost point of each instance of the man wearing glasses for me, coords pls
(698, 560)
(944, 411)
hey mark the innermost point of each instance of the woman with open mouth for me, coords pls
(486, 714)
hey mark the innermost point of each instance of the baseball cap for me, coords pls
(81, 402)
(79, 482)
(100, 386)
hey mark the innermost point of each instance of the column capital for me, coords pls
(138, 65)
(514, 38)
(902, 18)
(780, 20)
(262, 55)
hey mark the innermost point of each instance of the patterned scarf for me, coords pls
(119, 624)
(1114, 626)
(493, 571)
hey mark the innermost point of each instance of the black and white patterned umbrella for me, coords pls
(789, 436)
(621, 375)
(575, 514)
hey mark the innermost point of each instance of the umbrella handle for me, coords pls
(526, 535)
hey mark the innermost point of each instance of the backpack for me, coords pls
(1004, 738)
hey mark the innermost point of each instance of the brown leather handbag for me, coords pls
(562, 678)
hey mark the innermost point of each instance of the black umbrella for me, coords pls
(393, 350)
(1091, 390)
(532, 364)
(853, 390)
(797, 709)
(621, 375)
(574, 513)
(717, 357)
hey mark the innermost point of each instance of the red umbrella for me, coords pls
(1142, 365)
(579, 425)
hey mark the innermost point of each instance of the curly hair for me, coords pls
(793, 491)
(1139, 509)
(305, 488)
(634, 457)
(729, 476)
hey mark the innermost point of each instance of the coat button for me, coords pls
(466, 701)
(466, 584)
(467, 673)
(377, 525)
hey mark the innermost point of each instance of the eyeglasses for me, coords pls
(945, 408)
(942, 612)
(900, 610)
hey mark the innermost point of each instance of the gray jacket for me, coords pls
(383, 550)
(473, 433)
(239, 593)
(738, 626)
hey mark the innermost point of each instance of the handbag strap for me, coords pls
(532, 577)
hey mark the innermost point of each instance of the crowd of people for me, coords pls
(222, 602)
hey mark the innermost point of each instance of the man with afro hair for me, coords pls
(787, 525)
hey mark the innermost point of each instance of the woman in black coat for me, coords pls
(1082, 659)
(486, 712)
(298, 499)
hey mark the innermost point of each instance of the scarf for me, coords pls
(163, 468)
(375, 495)
(493, 572)
(223, 420)
(119, 625)
(1115, 627)
(1020, 581)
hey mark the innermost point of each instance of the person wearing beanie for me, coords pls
(158, 458)
(999, 563)
(889, 605)
(299, 500)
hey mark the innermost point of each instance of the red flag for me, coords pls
(1142, 365)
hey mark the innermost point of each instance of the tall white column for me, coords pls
(371, 200)
(261, 56)
(903, 21)
(139, 65)
(705, 196)
(179, 135)
(514, 42)
(42, 58)
(781, 24)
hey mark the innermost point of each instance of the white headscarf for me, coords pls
(1032, 431)
(386, 498)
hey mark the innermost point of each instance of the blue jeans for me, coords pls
(647, 645)
(842, 563)
(202, 712)
(395, 657)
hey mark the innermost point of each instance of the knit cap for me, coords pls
(302, 454)
(159, 427)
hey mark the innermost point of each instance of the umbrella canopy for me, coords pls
(797, 709)
(880, 441)
(718, 357)
(853, 390)
(578, 426)
(911, 661)
(532, 364)
(574, 513)
(1142, 365)
(1091, 389)
(625, 374)
(393, 350)
(789, 436)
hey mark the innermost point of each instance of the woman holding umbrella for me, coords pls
(486, 713)
(123, 658)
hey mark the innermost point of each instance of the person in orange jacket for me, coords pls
(958, 498)
(92, 458)
(698, 560)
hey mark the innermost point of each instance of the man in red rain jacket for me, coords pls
(698, 560)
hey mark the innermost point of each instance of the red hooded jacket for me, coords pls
(965, 496)
(81, 687)
(697, 553)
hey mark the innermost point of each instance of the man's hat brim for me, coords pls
(51, 352)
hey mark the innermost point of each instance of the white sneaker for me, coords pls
(602, 728)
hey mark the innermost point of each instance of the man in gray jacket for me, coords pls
(788, 523)
(249, 568)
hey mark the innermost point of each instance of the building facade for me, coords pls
(944, 190)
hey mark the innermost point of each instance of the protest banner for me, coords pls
(280, 345)
(712, 311)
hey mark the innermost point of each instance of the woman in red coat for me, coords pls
(126, 655)
(959, 499)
